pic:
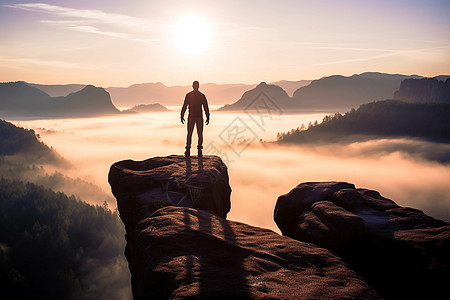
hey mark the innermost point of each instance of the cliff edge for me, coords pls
(179, 244)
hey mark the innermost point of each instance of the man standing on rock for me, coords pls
(195, 100)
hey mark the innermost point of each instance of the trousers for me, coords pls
(191, 122)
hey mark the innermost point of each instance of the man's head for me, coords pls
(195, 85)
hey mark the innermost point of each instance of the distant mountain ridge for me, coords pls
(58, 90)
(146, 108)
(273, 96)
(424, 90)
(380, 119)
(291, 86)
(335, 92)
(330, 93)
(149, 93)
(19, 99)
(341, 92)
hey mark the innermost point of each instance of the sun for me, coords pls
(192, 34)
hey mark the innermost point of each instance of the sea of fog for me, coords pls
(259, 172)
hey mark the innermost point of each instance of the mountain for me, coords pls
(262, 96)
(57, 247)
(424, 90)
(381, 119)
(54, 246)
(442, 77)
(291, 86)
(58, 90)
(22, 156)
(342, 93)
(23, 143)
(19, 99)
(147, 93)
(146, 108)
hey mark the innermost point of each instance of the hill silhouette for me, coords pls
(291, 86)
(424, 90)
(275, 95)
(381, 119)
(56, 247)
(146, 108)
(58, 90)
(342, 93)
(19, 99)
(328, 93)
(22, 156)
(22, 142)
(53, 246)
(147, 93)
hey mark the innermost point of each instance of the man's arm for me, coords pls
(206, 108)
(183, 109)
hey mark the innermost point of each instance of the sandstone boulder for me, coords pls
(400, 251)
(180, 253)
(141, 187)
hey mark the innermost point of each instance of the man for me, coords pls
(195, 100)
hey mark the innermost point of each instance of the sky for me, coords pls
(119, 43)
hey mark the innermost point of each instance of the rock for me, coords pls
(180, 253)
(289, 208)
(400, 251)
(141, 187)
(424, 90)
(176, 251)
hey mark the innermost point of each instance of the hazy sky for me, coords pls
(118, 43)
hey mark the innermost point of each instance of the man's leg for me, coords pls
(200, 135)
(190, 129)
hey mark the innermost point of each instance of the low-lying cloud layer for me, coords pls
(402, 170)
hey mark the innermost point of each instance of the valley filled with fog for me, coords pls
(259, 169)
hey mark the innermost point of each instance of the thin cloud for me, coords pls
(38, 62)
(389, 53)
(89, 14)
(78, 26)
(90, 21)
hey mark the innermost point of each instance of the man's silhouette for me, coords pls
(195, 100)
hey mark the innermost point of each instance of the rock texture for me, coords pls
(424, 90)
(141, 187)
(178, 252)
(400, 251)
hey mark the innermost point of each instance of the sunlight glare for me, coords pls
(192, 35)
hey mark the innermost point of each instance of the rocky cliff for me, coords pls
(424, 90)
(400, 251)
(179, 244)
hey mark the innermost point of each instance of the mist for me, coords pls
(400, 169)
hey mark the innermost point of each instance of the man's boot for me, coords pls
(187, 153)
(200, 154)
